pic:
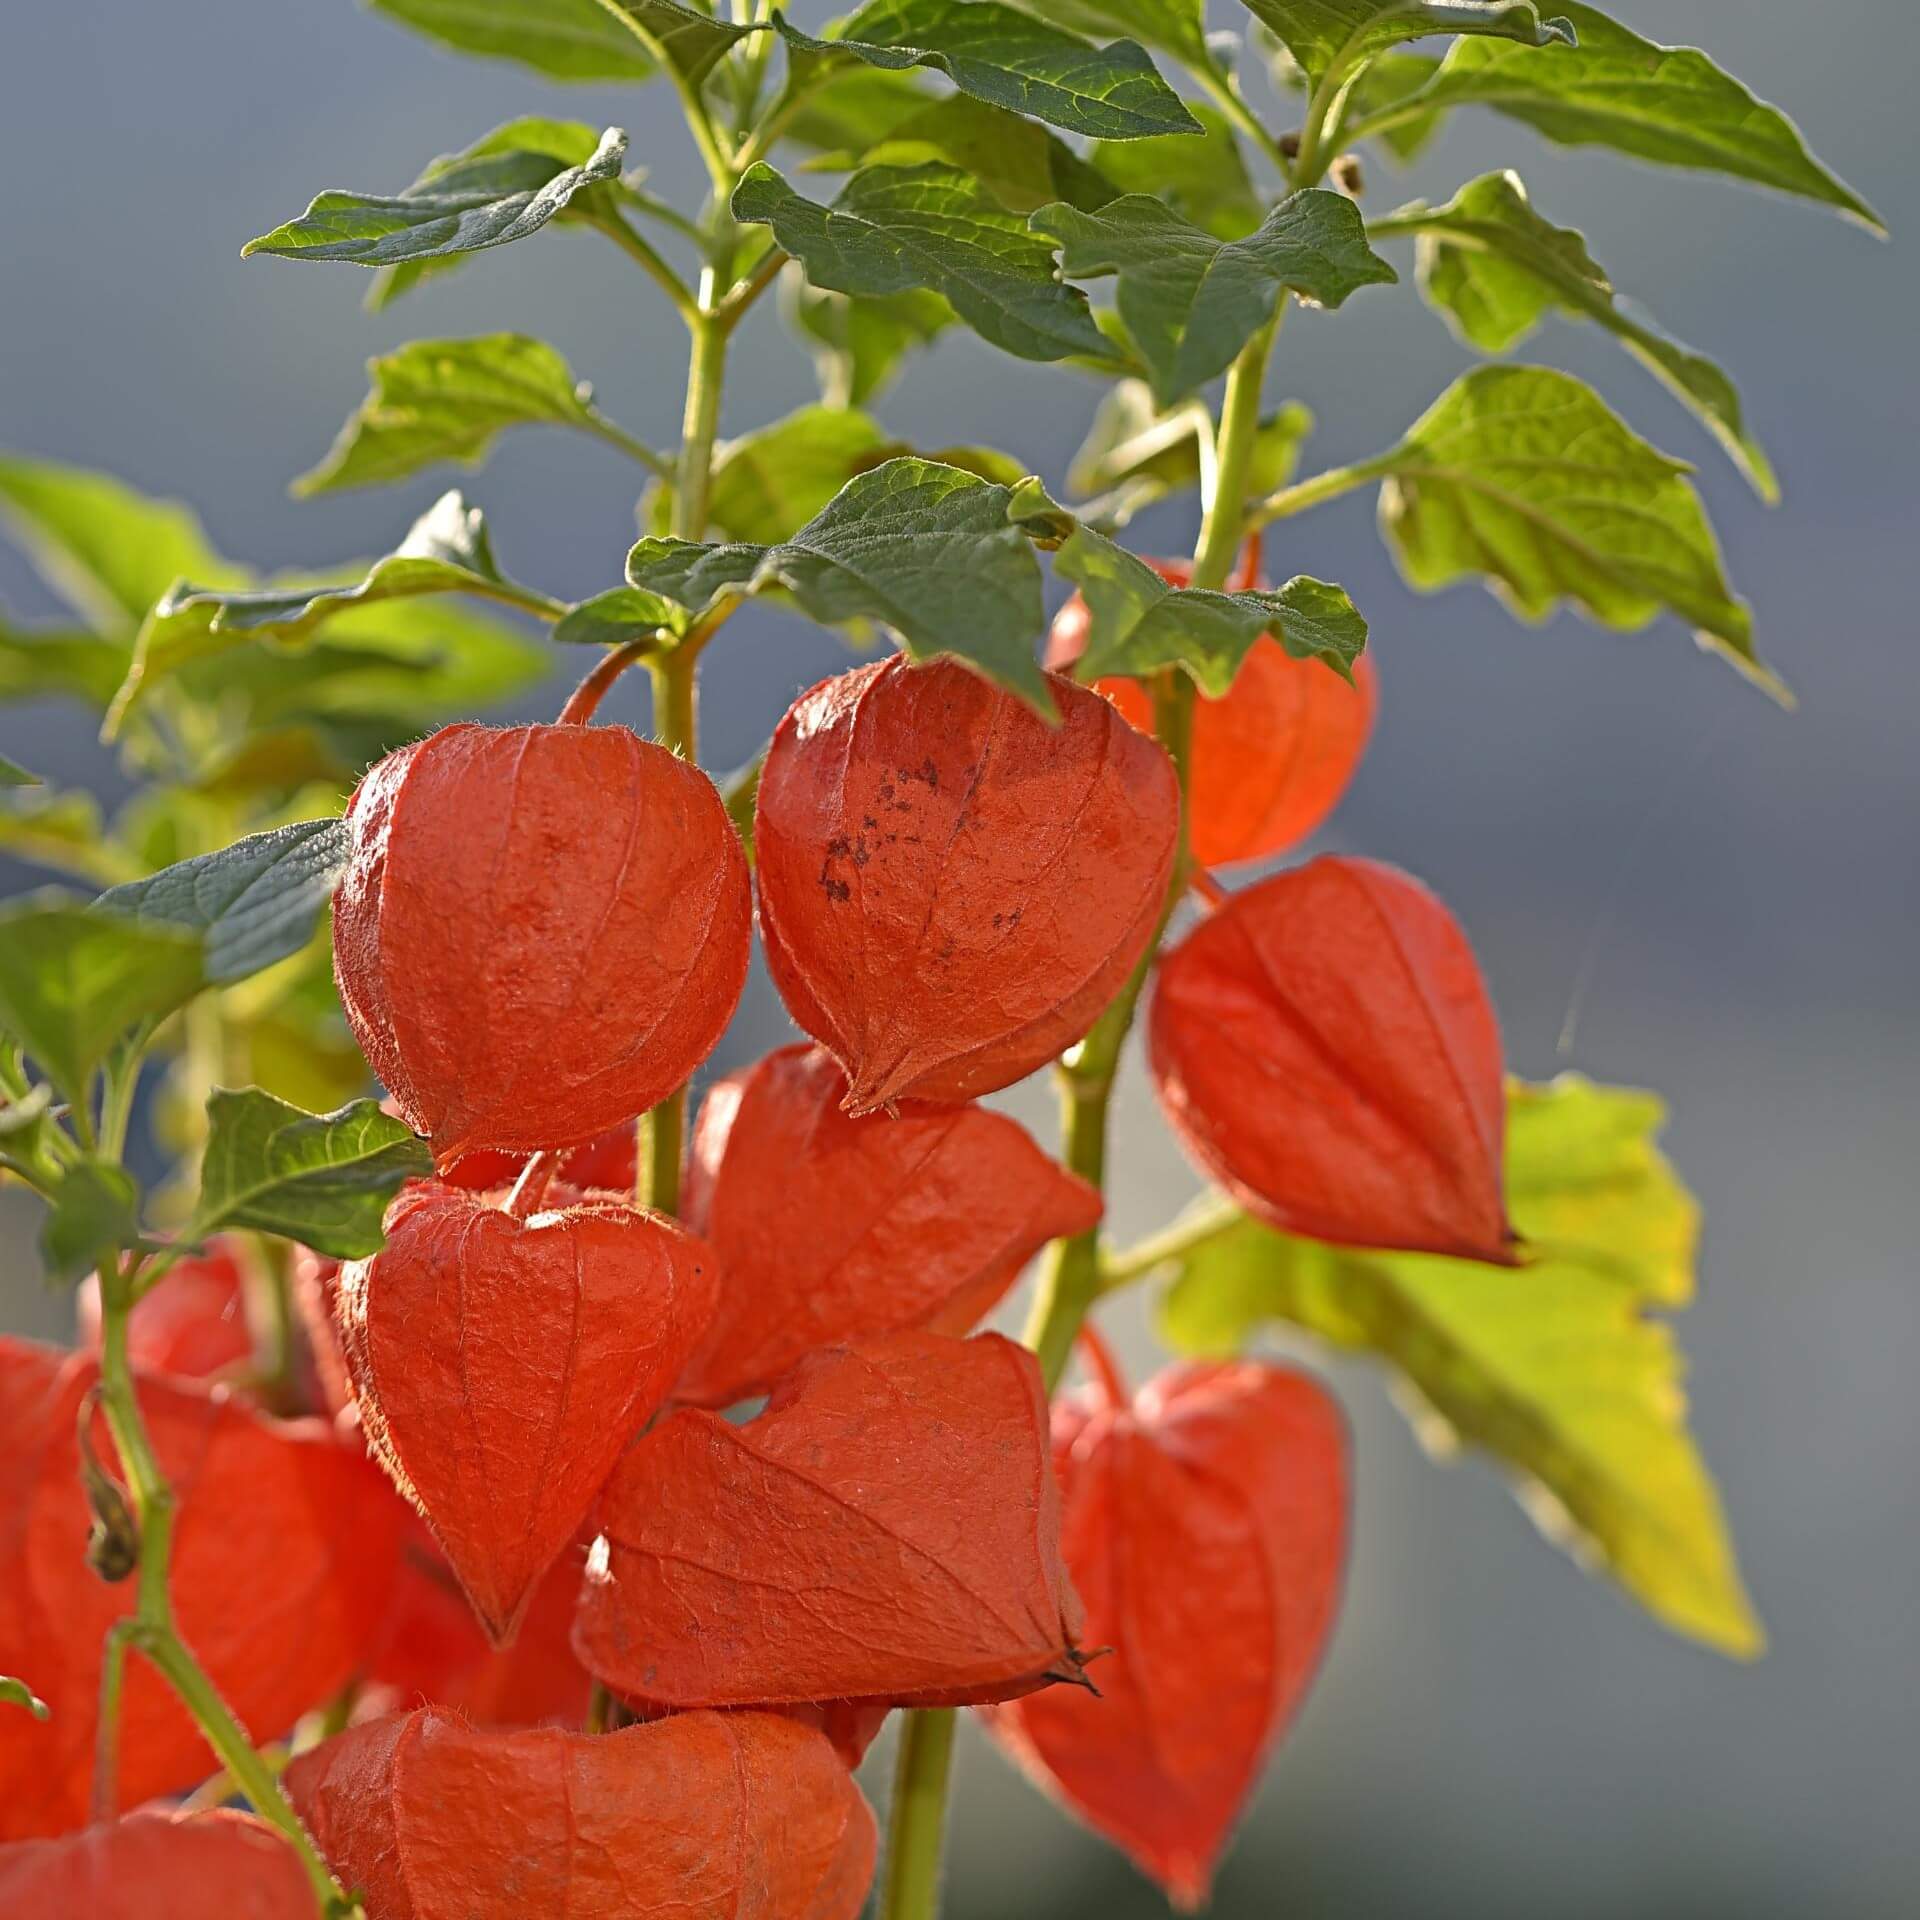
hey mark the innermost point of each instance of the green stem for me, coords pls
(1192, 1230)
(151, 1629)
(916, 1822)
(657, 464)
(1320, 489)
(1219, 88)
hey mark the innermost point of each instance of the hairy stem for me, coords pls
(916, 1824)
(151, 1630)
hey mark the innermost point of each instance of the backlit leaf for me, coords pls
(462, 205)
(1139, 623)
(73, 981)
(1191, 301)
(60, 662)
(63, 831)
(1204, 181)
(108, 551)
(1669, 105)
(563, 39)
(322, 1179)
(94, 1214)
(1525, 478)
(1178, 26)
(1556, 1367)
(252, 903)
(895, 229)
(927, 550)
(1011, 59)
(1323, 35)
(1494, 267)
(435, 400)
(859, 342)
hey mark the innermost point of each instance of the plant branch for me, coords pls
(654, 264)
(1320, 489)
(150, 1629)
(1194, 1228)
(916, 1821)
(584, 701)
(656, 463)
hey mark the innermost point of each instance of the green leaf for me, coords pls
(852, 108)
(1177, 27)
(564, 39)
(59, 662)
(860, 342)
(1525, 477)
(73, 981)
(1326, 36)
(1384, 86)
(1013, 60)
(690, 41)
(1556, 1368)
(252, 903)
(404, 663)
(767, 485)
(446, 551)
(62, 831)
(894, 229)
(434, 400)
(321, 1179)
(1018, 161)
(621, 614)
(16, 1693)
(1493, 266)
(463, 204)
(12, 775)
(1135, 453)
(1670, 105)
(930, 551)
(109, 552)
(1140, 624)
(1190, 300)
(1204, 181)
(566, 143)
(95, 1214)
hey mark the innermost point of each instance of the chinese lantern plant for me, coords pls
(411, 1448)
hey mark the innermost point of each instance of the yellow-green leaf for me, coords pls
(1557, 1368)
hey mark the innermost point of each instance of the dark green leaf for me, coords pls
(1191, 301)
(895, 229)
(12, 775)
(1018, 161)
(859, 343)
(1135, 453)
(16, 1693)
(463, 204)
(567, 143)
(1525, 478)
(95, 1214)
(109, 552)
(434, 400)
(621, 614)
(564, 39)
(768, 484)
(1670, 105)
(60, 662)
(1493, 266)
(929, 551)
(321, 1179)
(1329, 35)
(1557, 1368)
(252, 903)
(1204, 181)
(1013, 60)
(1140, 624)
(852, 108)
(73, 981)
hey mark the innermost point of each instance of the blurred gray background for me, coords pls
(1735, 891)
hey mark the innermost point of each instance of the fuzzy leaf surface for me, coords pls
(1014, 60)
(1191, 301)
(462, 205)
(563, 39)
(323, 1179)
(893, 230)
(1324, 34)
